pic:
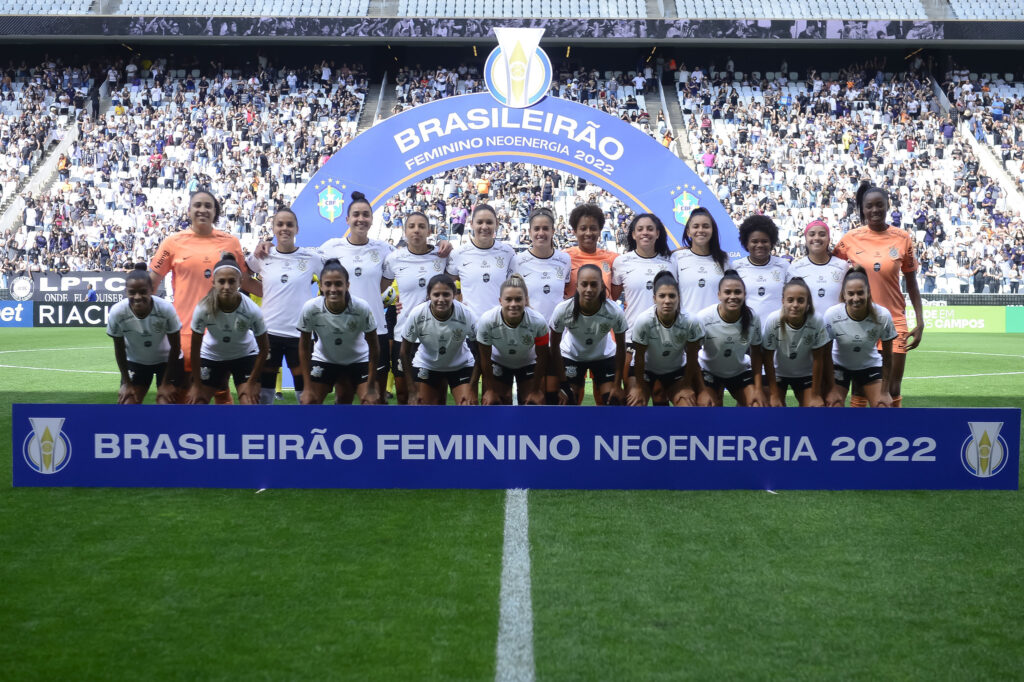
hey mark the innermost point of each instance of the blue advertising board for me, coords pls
(15, 313)
(515, 447)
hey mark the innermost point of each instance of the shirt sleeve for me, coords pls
(163, 259)
(411, 333)
(841, 249)
(821, 338)
(304, 323)
(369, 321)
(386, 271)
(909, 262)
(769, 341)
(696, 331)
(199, 322)
(617, 275)
(254, 263)
(114, 330)
(888, 329)
(173, 321)
(452, 268)
(556, 322)
(755, 331)
(259, 325)
(640, 334)
(620, 326)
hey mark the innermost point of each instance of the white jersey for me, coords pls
(481, 272)
(854, 343)
(442, 342)
(145, 339)
(636, 276)
(229, 335)
(287, 285)
(411, 272)
(365, 265)
(725, 349)
(666, 346)
(794, 347)
(698, 280)
(587, 338)
(545, 279)
(511, 347)
(825, 281)
(763, 283)
(340, 337)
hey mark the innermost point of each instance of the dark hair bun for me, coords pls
(140, 266)
(358, 196)
(330, 261)
(730, 273)
(227, 255)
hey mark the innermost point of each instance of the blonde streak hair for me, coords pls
(515, 280)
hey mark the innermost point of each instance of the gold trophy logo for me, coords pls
(517, 72)
(47, 449)
(984, 453)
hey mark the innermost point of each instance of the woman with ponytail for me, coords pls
(229, 336)
(346, 345)
(513, 342)
(666, 342)
(885, 253)
(147, 341)
(731, 356)
(588, 321)
(795, 348)
(858, 327)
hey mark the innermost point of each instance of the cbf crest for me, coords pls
(684, 203)
(330, 200)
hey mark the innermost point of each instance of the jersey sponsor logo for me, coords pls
(147, 344)
(517, 72)
(650, 285)
(983, 453)
(487, 277)
(701, 283)
(877, 267)
(761, 291)
(284, 279)
(821, 293)
(207, 273)
(421, 282)
(358, 272)
(547, 288)
(46, 449)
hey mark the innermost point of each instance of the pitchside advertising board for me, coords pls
(514, 121)
(515, 447)
(52, 299)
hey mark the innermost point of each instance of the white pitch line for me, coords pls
(969, 352)
(515, 618)
(40, 350)
(54, 369)
(958, 376)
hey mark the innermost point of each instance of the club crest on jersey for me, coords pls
(501, 262)
(836, 276)
(374, 256)
(559, 272)
(303, 265)
(776, 276)
(893, 253)
(437, 265)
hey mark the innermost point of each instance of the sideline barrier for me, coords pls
(515, 447)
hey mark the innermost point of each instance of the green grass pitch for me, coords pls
(285, 585)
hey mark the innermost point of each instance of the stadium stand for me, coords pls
(243, 8)
(804, 9)
(59, 7)
(604, 9)
(983, 10)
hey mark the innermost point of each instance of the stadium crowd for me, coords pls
(793, 150)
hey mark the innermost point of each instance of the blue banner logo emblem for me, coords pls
(517, 72)
(330, 202)
(984, 452)
(46, 449)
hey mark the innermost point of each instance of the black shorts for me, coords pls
(436, 379)
(736, 383)
(798, 384)
(142, 375)
(603, 370)
(215, 372)
(396, 356)
(331, 373)
(282, 347)
(667, 379)
(505, 375)
(859, 377)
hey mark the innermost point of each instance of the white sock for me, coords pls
(298, 397)
(266, 396)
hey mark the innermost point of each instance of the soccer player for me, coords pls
(885, 252)
(441, 326)
(731, 356)
(189, 257)
(287, 274)
(647, 254)
(147, 341)
(701, 263)
(586, 320)
(795, 346)
(410, 267)
(855, 326)
(229, 336)
(346, 343)
(819, 268)
(762, 273)
(587, 222)
(363, 258)
(513, 342)
(666, 342)
(546, 272)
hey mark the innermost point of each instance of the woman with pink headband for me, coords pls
(822, 271)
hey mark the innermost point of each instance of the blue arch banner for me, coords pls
(473, 129)
(515, 447)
